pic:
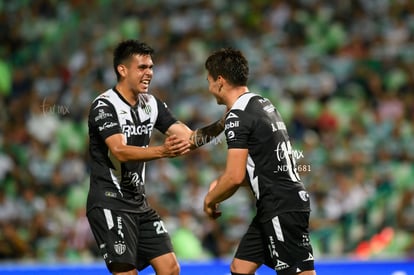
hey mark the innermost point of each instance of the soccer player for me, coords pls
(129, 233)
(259, 155)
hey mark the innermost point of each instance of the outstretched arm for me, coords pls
(198, 137)
(172, 147)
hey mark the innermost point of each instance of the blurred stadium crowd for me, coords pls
(340, 72)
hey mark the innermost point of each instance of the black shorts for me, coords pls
(129, 238)
(281, 243)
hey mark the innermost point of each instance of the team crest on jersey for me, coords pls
(120, 247)
(147, 109)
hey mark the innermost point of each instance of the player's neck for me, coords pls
(127, 94)
(234, 94)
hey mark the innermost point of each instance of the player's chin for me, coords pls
(143, 88)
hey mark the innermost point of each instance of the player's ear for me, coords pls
(220, 80)
(121, 69)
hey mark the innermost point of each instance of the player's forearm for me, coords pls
(224, 189)
(206, 134)
(135, 153)
(173, 146)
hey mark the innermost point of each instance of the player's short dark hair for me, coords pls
(230, 64)
(127, 49)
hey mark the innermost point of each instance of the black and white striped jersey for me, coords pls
(115, 184)
(255, 124)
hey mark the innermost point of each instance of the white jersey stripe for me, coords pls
(278, 229)
(254, 181)
(108, 218)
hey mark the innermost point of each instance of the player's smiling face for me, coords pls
(139, 73)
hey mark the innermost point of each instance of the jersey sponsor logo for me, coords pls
(231, 124)
(303, 195)
(230, 135)
(102, 115)
(101, 104)
(136, 179)
(120, 247)
(132, 130)
(107, 125)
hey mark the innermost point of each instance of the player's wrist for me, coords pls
(162, 151)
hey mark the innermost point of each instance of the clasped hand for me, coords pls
(174, 146)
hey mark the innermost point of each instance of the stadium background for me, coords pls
(340, 72)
